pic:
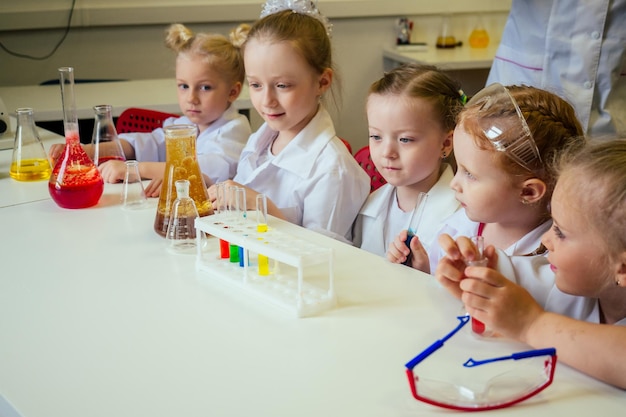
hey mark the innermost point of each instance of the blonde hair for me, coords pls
(597, 182)
(305, 33)
(219, 52)
(551, 120)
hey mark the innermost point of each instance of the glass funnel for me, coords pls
(181, 163)
(75, 181)
(30, 162)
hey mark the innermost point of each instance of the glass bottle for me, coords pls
(106, 144)
(30, 161)
(445, 39)
(181, 163)
(479, 38)
(75, 181)
(181, 229)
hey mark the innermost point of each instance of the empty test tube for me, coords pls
(222, 207)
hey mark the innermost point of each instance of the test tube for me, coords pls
(222, 208)
(234, 210)
(261, 227)
(414, 221)
(478, 326)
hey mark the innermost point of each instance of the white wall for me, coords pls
(137, 52)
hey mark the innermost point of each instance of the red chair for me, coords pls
(362, 156)
(135, 119)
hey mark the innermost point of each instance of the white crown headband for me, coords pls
(307, 7)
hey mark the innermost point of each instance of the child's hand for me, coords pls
(55, 151)
(398, 252)
(451, 268)
(501, 304)
(413, 255)
(153, 189)
(112, 171)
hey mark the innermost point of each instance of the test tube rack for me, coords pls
(288, 286)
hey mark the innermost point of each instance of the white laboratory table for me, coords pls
(156, 94)
(97, 319)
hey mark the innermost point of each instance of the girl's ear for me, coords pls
(620, 275)
(533, 190)
(235, 90)
(325, 80)
(446, 145)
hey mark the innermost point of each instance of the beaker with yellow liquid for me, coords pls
(29, 162)
(181, 163)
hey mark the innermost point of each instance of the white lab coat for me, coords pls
(573, 48)
(218, 148)
(372, 221)
(314, 180)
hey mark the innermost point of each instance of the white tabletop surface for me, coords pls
(97, 319)
(459, 58)
(156, 94)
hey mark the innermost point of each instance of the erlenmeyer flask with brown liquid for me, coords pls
(181, 163)
(75, 181)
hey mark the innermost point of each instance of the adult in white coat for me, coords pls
(573, 48)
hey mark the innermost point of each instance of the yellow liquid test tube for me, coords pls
(261, 227)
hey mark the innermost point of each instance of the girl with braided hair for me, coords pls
(504, 143)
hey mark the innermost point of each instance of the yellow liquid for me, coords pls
(264, 265)
(30, 170)
(261, 227)
(479, 38)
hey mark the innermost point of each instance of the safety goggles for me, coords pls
(501, 391)
(507, 133)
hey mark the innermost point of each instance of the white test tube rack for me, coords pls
(283, 287)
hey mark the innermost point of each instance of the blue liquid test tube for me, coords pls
(261, 227)
(414, 222)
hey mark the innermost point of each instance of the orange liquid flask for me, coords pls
(75, 181)
(479, 38)
(181, 163)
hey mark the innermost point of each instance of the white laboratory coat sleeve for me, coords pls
(531, 272)
(573, 48)
(218, 147)
(314, 180)
(372, 221)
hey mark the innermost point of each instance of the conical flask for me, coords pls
(75, 181)
(30, 162)
(106, 144)
(181, 229)
(181, 163)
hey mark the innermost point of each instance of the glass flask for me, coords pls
(133, 193)
(181, 230)
(181, 163)
(479, 38)
(445, 39)
(30, 161)
(75, 181)
(106, 144)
